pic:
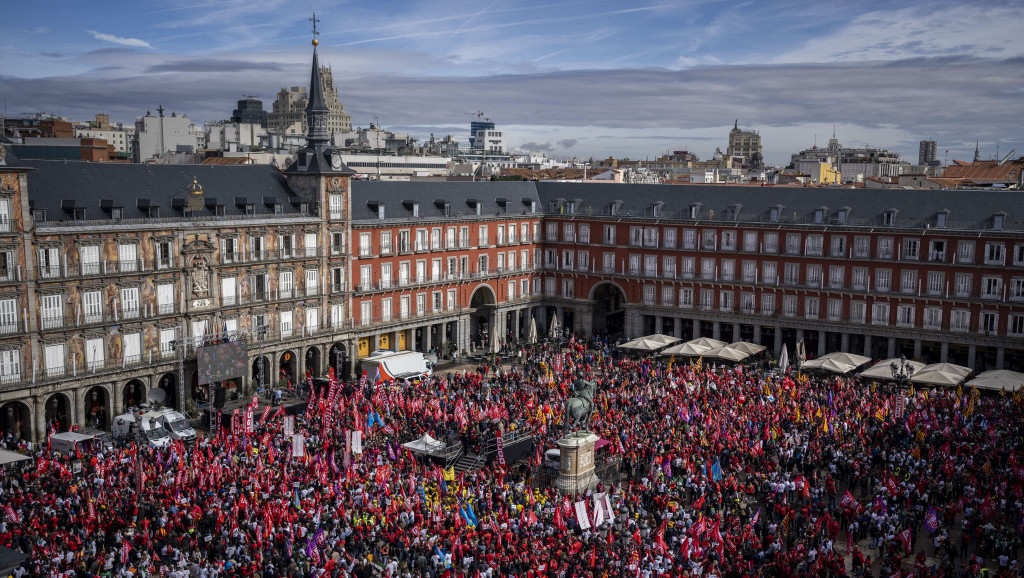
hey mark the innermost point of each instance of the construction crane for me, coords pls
(1007, 157)
(478, 114)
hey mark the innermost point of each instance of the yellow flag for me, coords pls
(449, 474)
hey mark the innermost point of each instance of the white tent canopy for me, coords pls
(883, 370)
(747, 346)
(694, 347)
(649, 342)
(940, 374)
(425, 445)
(532, 336)
(998, 379)
(727, 353)
(9, 457)
(837, 362)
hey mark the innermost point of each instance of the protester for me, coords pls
(724, 472)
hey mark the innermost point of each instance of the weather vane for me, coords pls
(314, 20)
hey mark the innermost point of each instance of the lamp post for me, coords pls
(901, 373)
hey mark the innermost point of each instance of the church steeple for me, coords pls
(316, 109)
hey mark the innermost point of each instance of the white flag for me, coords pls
(599, 514)
(357, 442)
(581, 514)
(298, 446)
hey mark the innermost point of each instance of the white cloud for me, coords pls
(120, 40)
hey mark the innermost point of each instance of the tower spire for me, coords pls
(977, 152)
(316, 109)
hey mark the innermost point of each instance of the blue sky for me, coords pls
(576, 78)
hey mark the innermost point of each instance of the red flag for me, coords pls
(848, 500)
(125, 548)
(905, 538)
(636, 536)
(10, 515)
(559, 522)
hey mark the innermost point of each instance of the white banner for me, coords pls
(581, 514)
(298, 446)
(289, 425)
(357, 442)
(599, 514)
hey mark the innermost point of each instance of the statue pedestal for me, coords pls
(576, 472)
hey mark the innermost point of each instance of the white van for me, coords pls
(151, 429)
(400, 366)
(175, 424)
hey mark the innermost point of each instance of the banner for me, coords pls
(289, 425)
(298, 446)
(581, 515)
(234, 422)
(599, 514)
(255, 402)
(248, 420)
(357, 442)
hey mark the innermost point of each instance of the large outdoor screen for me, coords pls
(222, 361)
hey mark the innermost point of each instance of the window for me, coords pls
(670, 238)
(769, 272)
(991, 287)
(884, 248)
(49, 262)
(313, 319)
(5, 215)
(707, 268)
(814, 244)
(568, 260)
(335, 204)
(689, 239)
(963, 285)
(365, 249)
(889, 217)
(880, 314)
(767, 304)
(960, 320)
(132, 348)
(482, 239)
(989, 322)
(463, 237)
(793, 243)
(937, 251)
(536, 232)
(836, 276)
(229, 250)
(524, 287)
(814, 275)
(1017, 289)
(1015, 325)
(167, 337)
(421, 240)
(994, 254)
(904, 315)
(287, 323)
(650, 265)
(860, 278)
(52, 312)
(8, 316)
(861, 247)
(686, 297)
(385, 275)
(569, 232)
(385, 243)
(933, 318)
(857, 311)
(309, 244)
(257, 247)
(792, 274)
(435, 270)
(725, 300)
(688, 267)
(127, 257)
(709, 240)
(997, 222)
(911, 249)
(482, 264)
(650, 237)
(582, 260)
(129, 302)
(1018, 254)
(92, 306)
(908, 281)
(8, 266)
(337, 279)
(883, 280)
(750, 241)
(668, 295)
(728, 269)
(366, 312)
(707, 299)
(728, 240)
(568, 288)
(965, 252)
(385, 309)
(811, 307)
(835, 309)
(287, 245)
(286, 284)
(435, 239)
(789, 305)
(365, 277)
(936, 279)
(53, 360)
(404, 245)
(747, 303)
(636, 236)
(551, 232)
(524, 233)
(838, 246)
(750, 271)
(89, 257)
(312, 282)
(771, 242)
(451, 299)
(403, 273)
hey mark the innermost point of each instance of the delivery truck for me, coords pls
(399, 366)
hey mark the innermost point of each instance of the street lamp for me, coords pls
(901, 373)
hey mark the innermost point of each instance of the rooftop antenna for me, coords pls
(251, 96)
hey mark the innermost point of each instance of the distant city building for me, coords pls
(39, 125)
(854, 164)
(745, 145)
(289, 108)
(926, 152)
(476, 126)
(157, 135)
(483, 138)
(233, 136)
(117, 136)
(250, 110)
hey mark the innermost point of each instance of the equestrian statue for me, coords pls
(580, 407)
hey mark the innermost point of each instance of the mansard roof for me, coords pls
(513, 198)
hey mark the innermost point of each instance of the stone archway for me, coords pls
(97, 407)
(481, 321)
(337, 358)
(261, 371)
(287, 365)
(169, 384)
(57, 413)
(312, 361)
(609, 316)
(133, 394)
(16, 418)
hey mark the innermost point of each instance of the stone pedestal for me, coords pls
(576, 471)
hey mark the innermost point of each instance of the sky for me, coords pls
(583, 79)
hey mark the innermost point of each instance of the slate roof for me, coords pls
(398, 197)
(916, 208)
(60, 187)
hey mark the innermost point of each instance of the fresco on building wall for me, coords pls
(74, 299)
(76, 348)
(150, 340)
(114, 345)
(111, 298)
(148, 296)
(109, 250)
(146, 250)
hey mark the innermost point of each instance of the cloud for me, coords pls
(215, 65)
(567, 143)
(120, 40)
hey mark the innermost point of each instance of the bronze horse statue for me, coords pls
(580, 407)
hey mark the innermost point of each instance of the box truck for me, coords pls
(400, 366)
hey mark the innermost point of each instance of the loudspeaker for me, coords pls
(218, 397)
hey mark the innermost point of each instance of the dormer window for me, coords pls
(819, 215)
(843, 215)
(380, 211)
(479, 207)
(997, 221)
(416, 210)
(656, 209)
(774, 213)
(115, 213)
(694, 210)
(533, 206)
(733, 212)
(39, 215)
(250, 209)
(278, 208)
(613, 209)
(889, 217)
(570, 207)
(79, 214)
(940, 219)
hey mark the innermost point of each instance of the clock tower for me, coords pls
(318, 162)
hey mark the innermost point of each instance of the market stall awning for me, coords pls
(998, 380)
(883, 369)
(838, 362)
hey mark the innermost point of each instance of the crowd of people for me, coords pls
(720, 471)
